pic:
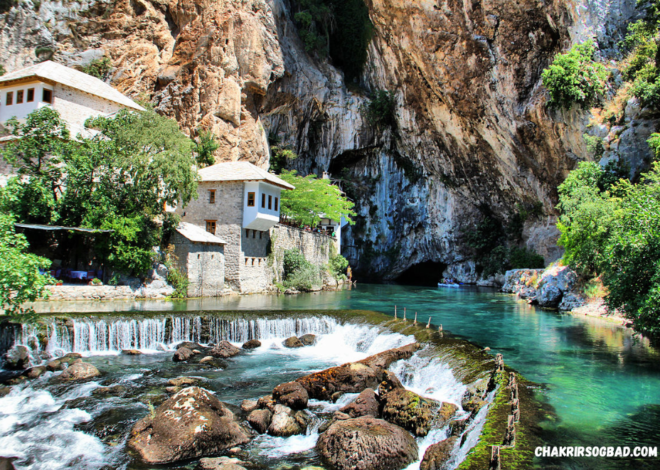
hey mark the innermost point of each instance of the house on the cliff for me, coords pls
(77, 96)
(239, 203)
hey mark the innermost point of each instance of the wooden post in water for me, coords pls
(415, 323)
(510, 436)
(428, 325)
(494, 458)
(404, 313)
(512, 379)
(439, 328)
(395, 312)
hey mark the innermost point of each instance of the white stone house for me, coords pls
(74, 94)
(239, 203)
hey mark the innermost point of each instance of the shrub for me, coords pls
(594, 145)
(338, 265)
(99, 68)
(179, 281)
(205, 148)
(304, 279)
(380, 109)
(575, 77)
(293, 261)
(520, 258)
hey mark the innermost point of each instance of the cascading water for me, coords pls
(55, 423)
(101, 336)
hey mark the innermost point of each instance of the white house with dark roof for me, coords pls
(77, 96)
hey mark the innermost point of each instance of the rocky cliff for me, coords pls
(471, 132)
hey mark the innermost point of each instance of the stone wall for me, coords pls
(107, 292)
(203, 264)
(314, 246)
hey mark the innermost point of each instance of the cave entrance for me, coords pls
(427, 273)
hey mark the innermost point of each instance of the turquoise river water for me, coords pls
(603, 383)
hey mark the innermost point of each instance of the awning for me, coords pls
(52, 228)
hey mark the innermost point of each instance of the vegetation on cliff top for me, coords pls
(612, 229)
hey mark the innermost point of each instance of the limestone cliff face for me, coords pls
(472, 129)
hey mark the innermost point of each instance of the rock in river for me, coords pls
(260, 420)
(286, 422)
(293, 342)
(191, 424)
(17, 358)
(79, 371)
(182, 354)
(291, 394)
(354, 377)
(415, 413)
(438, 454)
(251, 344)
(224, 349)
(366, 444)
(366, 404)
(308, 339)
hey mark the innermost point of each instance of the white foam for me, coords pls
(35, 428)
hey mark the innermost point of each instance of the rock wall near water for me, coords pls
(472, 130)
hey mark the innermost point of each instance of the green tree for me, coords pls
(575, 77)
(631, 263)
(380, 109)
(118, 180)
(312, 199)
(20, 279)
(205, 148)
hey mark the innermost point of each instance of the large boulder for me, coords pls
(438, 454)
(189, 345)
(285, 422)
(366, 404)
(35, 372)
(248, 406)
(291, 394)
(414, 412)
(183, 354)
(348, 378)
(389, 382)
(17, 358)
(79, 371)
(366, 444)
(191, 424)
(555, 282)
(293, 342)
(224, 349)
(260, 420)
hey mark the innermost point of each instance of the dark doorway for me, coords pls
(427, 273)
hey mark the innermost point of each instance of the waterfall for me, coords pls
(112, 335)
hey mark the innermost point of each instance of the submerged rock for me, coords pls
(180, 381)
(224, 349)
(4, 391)
(221, 463)
(116, 390)
(415, 413)
(131, 352)
(260, 420)
(251, 344)
(366, 444)
(191, 424)
(291, 394)
(79, 371)
(366, 404)
(438, 454)
(293, 342)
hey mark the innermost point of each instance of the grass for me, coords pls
(594, 289)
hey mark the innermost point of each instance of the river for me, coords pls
(603, 383)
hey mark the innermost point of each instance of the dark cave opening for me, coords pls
(427, 273)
